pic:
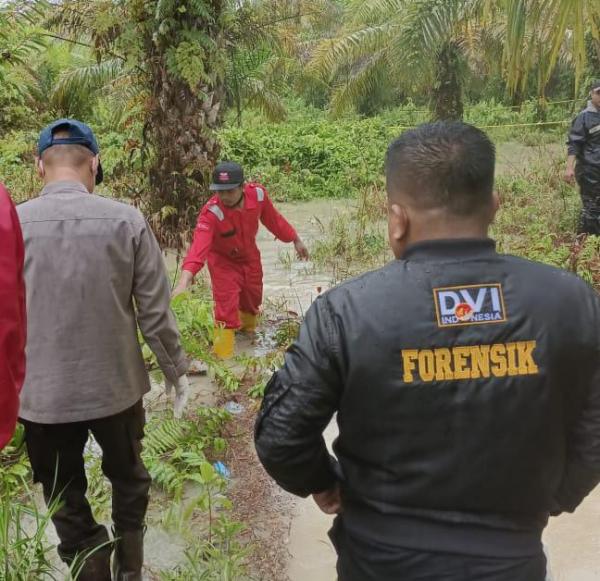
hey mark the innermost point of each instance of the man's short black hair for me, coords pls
(443, 165)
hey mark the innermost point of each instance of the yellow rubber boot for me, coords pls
(249, 322)
(224, 343)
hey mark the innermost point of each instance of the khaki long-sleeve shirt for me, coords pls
(93, 272)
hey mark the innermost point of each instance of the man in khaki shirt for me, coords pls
(94, 273)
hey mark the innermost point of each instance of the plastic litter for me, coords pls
(234, 408)
(221, 469)
(305, 266)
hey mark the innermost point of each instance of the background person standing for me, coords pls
(13, 324)
(94, 272)
(583, 163)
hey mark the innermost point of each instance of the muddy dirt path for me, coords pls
(295, 285)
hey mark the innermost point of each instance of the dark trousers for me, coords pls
(359, 560)
(588, 179)
(56, 456)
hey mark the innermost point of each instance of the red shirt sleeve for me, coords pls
(275, 222)
(13, 323)
(201, 244)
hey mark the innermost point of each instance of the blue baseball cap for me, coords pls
(79, 134)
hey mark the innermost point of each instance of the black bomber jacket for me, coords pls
(584, 138)
(467, 390)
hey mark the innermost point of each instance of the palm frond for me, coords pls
(87, 79)
(20, 34)
(363, 13)
(29, 12)
(259, 94)
(538, 31)
(331, 55)
(371, 76)
(95, 23)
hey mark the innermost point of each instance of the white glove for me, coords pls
(182, 394)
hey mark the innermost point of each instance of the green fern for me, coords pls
(164, 435)
(175, 450)
(224, 377)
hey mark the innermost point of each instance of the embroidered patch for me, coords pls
(469, 362)
(476, 304)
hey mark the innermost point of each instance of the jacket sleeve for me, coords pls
(203, 238)
(577, 136)
(13, 323)
(299, 403)
(153, 300)
(582, 472)
(276, 223)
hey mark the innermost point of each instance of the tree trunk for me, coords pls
(182, 133)
(596, 44)
(447, 100)
(182, 120)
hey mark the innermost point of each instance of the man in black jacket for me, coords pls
(466, 385)
(583, 161)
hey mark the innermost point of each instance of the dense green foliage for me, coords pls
(312, 155)
(537, 220)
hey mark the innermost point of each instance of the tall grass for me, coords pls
(537, 220)
(355, 239)
(24, 552)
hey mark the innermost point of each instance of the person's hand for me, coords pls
(184, 283)
(569, 175)
(182, 394)
(329, 501)
(301, 249)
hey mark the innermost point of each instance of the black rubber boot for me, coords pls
(95, 567)
(129, 555)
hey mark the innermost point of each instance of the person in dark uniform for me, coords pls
(583, 163)
(466, 385)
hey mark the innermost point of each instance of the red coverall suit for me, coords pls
(226, 238)
(12, 316)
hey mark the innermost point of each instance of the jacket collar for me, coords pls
(451, 249)
(591, 108)
(250, 201)
(63, 187)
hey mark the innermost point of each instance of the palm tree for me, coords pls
(20, 41)
(186, 60)
(267, 50)
(540, 32)
(170, 56)
(418, 45)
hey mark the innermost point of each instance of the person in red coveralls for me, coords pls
(12, 316)
(225, 237)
